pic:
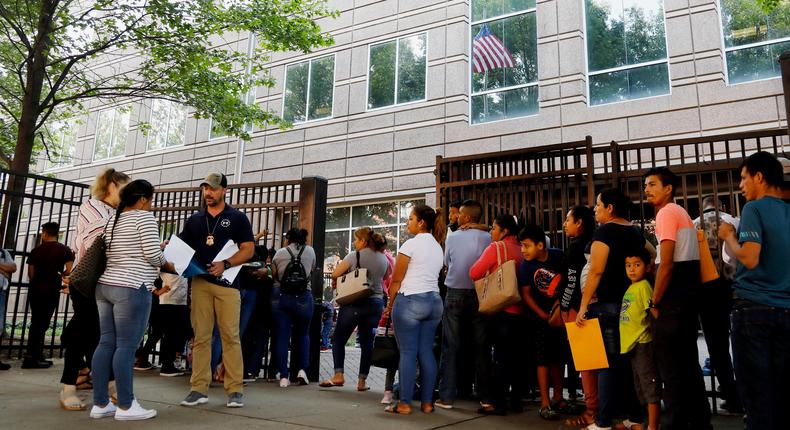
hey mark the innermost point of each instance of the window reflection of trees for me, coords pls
(401, 61)
(626, 35)
(745, 23)
(519, 35)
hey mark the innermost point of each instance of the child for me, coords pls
(636, 340)
(540, 278)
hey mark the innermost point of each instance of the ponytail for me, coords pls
(434, 221)
(130, 194)
(373, 240)
(101, 185)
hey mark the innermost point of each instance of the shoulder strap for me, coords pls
(358, 260)
(105, 232)
(498, 254)
(299, 255)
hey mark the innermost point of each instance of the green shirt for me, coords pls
(634, 324)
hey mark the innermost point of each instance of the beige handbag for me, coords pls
(499, 289)
(353, 285)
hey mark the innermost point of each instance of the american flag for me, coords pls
(488, 52)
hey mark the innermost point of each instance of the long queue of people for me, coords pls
(648, 302)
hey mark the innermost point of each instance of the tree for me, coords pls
(54, 58)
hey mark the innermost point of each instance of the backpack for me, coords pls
(294, 279)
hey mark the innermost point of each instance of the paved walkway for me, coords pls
(28, 400)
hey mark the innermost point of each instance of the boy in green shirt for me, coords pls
(636, 342)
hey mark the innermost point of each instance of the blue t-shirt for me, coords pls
(230, 224)
(766, 221)
(462, 249)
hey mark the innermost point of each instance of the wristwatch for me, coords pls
(227, 264)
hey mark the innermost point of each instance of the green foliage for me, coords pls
(768, 5)
(180, 46)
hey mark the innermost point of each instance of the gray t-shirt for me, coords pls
(282, 258)
(375, 262)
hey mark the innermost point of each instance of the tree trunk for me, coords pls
(31, 110)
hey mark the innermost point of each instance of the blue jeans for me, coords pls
(292, 316)
(248, 300)
(326, 328)
(363, 315)
(761, 352)
(123, 317)
(461, 323)
(415, 318)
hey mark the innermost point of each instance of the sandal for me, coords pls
(549, 414)
(70, 402)
(582, 420)
(397, 408)
(628, 425)
(562, 406)
(330, 383)
(84, 382)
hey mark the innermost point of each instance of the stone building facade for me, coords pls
(625, 70)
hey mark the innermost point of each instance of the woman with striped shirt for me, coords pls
(123, 296)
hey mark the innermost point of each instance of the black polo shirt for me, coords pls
(230, 224)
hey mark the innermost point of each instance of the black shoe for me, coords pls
(36, 364)
(4, 366)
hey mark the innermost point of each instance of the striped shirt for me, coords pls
(134, 255)
(92, 218)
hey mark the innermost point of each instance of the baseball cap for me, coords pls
(215, 180)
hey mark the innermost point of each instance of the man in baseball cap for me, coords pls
(215, 180)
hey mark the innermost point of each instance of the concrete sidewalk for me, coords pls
(28, 400)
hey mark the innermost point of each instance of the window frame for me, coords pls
(114, 110)
(170, 105)
(397, 73)
(628, 67)
(725, 50)
(52, 166)
(504, 89)
(309, 62)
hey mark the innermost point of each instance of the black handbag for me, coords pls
(86, 273)
(385, 351)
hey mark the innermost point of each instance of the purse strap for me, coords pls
(105, 233)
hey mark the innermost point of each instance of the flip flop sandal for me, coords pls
(328, 383)
(580, 421)
(394, 409)
(72, 403)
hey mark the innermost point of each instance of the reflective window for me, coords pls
(168, 124)
(112, 129)
(309, 88)
(396, 72)
(753, 40)
(626, 50)
(387, 218)
(504, 60)
(61, 139)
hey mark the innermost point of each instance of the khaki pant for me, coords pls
(208, 300)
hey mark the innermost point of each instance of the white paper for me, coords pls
(229, 250)
(179, 253)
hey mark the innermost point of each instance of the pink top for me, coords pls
(488, 263)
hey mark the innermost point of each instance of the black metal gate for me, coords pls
(43, 200)
(272, 207)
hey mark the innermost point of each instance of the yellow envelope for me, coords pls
(587, 345)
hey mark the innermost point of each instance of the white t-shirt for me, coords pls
(426, 261)
(179, 289)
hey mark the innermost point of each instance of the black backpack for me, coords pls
(294, 279)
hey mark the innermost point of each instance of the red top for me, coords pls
(488, 263)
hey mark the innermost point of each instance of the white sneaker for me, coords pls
(302, 378)
(103, 412)
(284, 382)
(135, 412)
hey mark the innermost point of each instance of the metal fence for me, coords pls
(39, 200)
(539, 185)
(272, 209)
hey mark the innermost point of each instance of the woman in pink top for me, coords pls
(509, 370)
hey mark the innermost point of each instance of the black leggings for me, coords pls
(80, 337)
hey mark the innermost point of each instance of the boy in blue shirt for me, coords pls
(636, 341)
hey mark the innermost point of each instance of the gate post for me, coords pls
(312, 217)
(784, 62)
